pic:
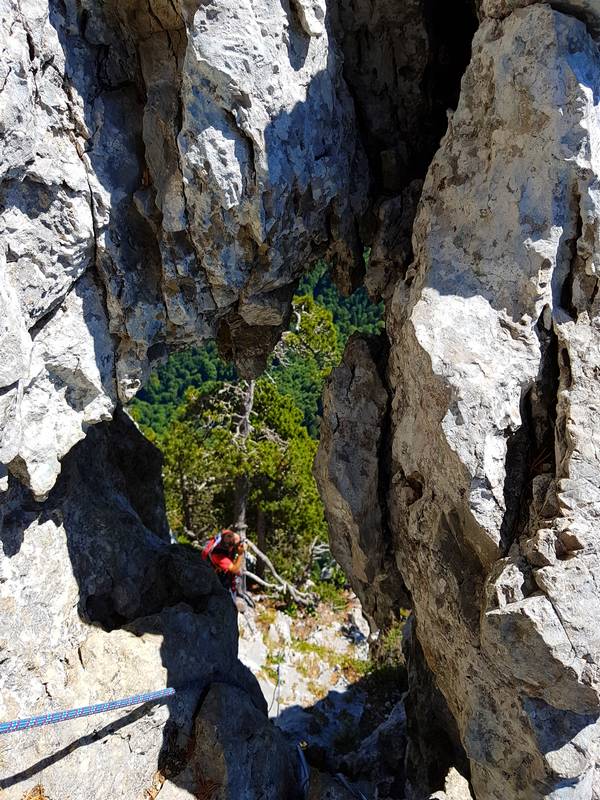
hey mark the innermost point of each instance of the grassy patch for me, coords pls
(266, 617)
(318, 692)
(37, 793)
(270, 673)
(352, 668)
(332, 594)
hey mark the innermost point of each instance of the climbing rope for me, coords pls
(276, 690)
(85, 711)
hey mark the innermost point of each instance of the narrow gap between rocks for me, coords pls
(531, 448)
(323, 687)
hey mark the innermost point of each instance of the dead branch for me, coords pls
(260, 581)
(302, 598)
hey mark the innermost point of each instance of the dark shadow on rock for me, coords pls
(17, 511)
(130, 575)
(297, 41)
(555, 727)
(433, 739)
(359, 732)
(391, 730)
(109, 503)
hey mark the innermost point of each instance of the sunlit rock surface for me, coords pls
(97, 605)
(493, 496)
(167, 172)
(350, 469)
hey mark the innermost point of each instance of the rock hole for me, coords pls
(567, 300)
(30, 46)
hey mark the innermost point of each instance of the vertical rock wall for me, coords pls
(167, 172)
(492, 496)
(490, 380)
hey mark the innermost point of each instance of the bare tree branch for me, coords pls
(260, 581)
(301, 598)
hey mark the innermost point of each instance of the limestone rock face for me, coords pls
(350, 472)
(493, 488)
(587, 10)
(167, 172)
(240, 752)
(122, 612)
(492, 491)
(168, 169)
(433, 747)
(402, 63)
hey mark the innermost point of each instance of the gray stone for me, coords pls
(191, 177)
(483, 348)
(350, 478)
(240, 752)
(121, 612)
(588, 10)
(455, 788)
(168, 170)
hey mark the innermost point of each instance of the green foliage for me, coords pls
(350, 314)
(205, 456)
(304, 358)
(191, 406)
(322, 322)
(388, 650)
(331, 589)
(329, 592)
(352, 667)
(157, 402)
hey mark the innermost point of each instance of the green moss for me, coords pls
(270, 673)
(302, 646)
(332, 594)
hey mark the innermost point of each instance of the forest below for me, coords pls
(220, 434)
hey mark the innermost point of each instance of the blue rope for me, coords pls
(86, 711)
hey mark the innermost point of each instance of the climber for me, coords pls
(226, 554)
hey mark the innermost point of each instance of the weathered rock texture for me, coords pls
(351, 470)
(167, 172)
(493, 498)
(433, 741)
(403, 63)
(96, 605)
(238, 749)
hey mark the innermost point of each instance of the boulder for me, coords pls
(98, 605)
(240, 753)
(350, 470)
